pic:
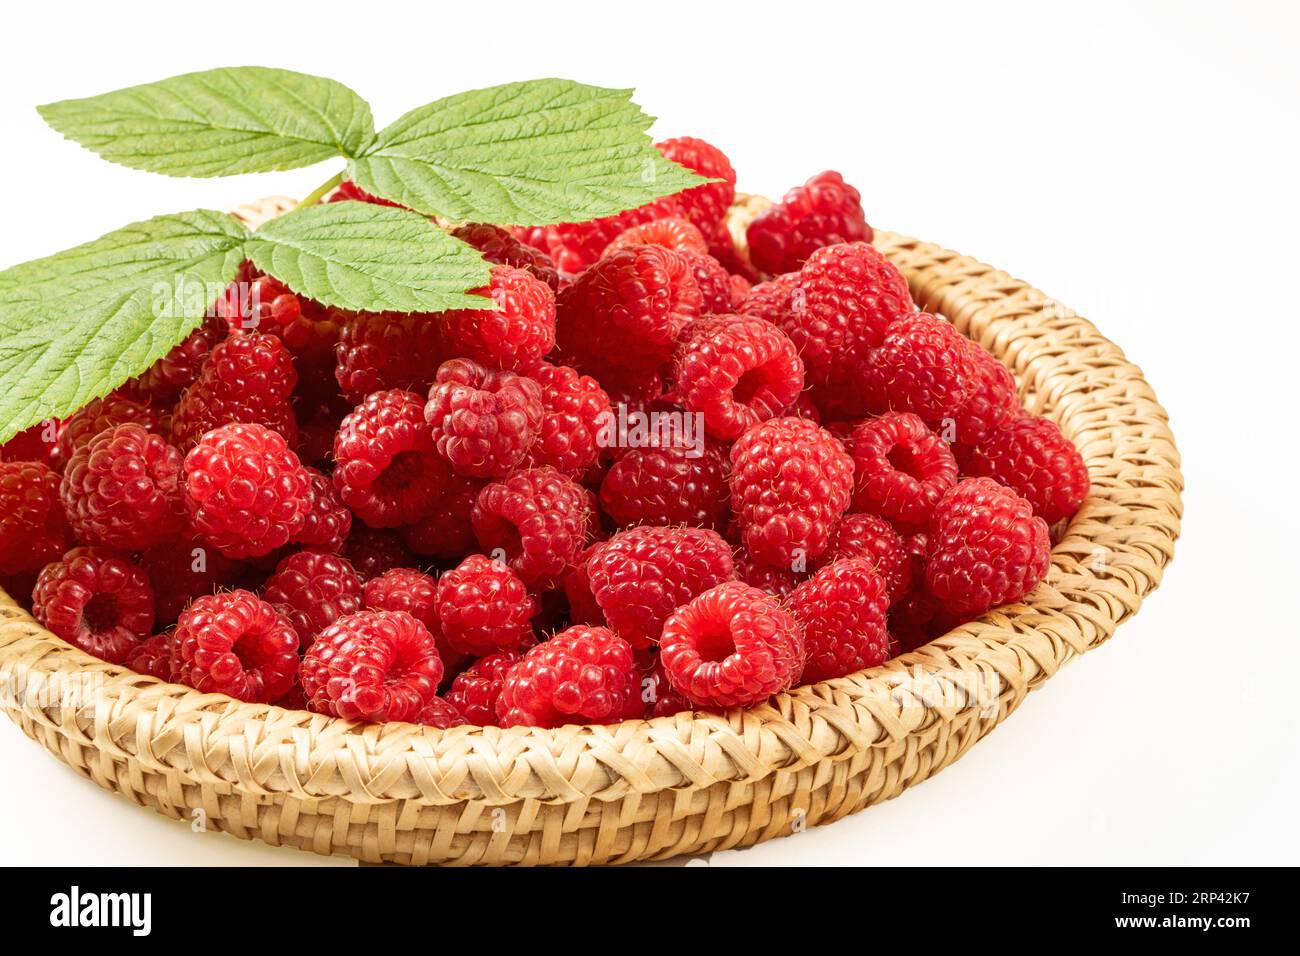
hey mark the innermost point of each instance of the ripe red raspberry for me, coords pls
(986, 547)
(247, 379)
(540, 521)
(447, 532)
(642, 575)
(704, 205)
(993, 400)
(790, 482)
(475, 690)
(873, 538)
(313, 589)
(386, 468)
(672, 233)
(583, 608)
(770, 300)
(183, 569)
(717, 288)
(620, 319)
(780, 582)
(328, 520)
(512, 331)
(581, 674)
(499, 246)
(918, 619)
(842, 611)
(901, 469)
(731, 647)
(237, 644)
(1031, 457)
(319, 408)
(350, 191)
(844, 300)
(122, 489)
(176, 371)
(97, 600)
(100, 415)
(246, 492)
(153, 656)
(38, 443)
(656, 693)
(739, 287)
(412, 591)
(384, 350)
(576, 408)
(440, 713)
(372, 551)
(823, 211)
(483, 421)
(922, 366)
(484, 607)
(574, 246)
(736, 372)
(261, 303)
(373, 666)
(33, 527)
(667, 486)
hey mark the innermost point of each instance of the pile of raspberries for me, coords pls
(422, 517)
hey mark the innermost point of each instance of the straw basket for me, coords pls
(683, 784)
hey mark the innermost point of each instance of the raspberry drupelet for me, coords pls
(731, 646)
(483, 421)
(514, 329)
(235, 643)
(901, 469)
(581, 674)
(842, 610)
(484, 607)
(539, 520)
(96, 599)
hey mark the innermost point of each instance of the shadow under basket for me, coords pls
(693, 782)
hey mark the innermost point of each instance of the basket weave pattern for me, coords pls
(682, 784)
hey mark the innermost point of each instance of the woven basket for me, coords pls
(683, 784)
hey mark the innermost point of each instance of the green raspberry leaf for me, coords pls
(364, 257)
(531, 153)
(220, 122)
(77, 324)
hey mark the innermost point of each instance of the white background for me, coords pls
(1136, 161)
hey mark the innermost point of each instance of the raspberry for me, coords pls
(440, 713)
(386, 469)
(475, 690)
(264, 304)
(176, 371)
(737, 373)
(313, 589)
(1032, 458)
(922, 366)
(237, 644)
(986, 547)
(540, 521)
(246, 492)
(583, 608)
(992, 402)
(350, 191)
(620, 319)
(122, 489)
(842, 611)
(790, 482)
(184, 569)
(499, 246)
(248, 379)
(672, 233)
(328, 520)
(319, 408)
(666, 485)
(780, 582)
(823, 211)
(153, 656)
(576, 409)
(716, 286)
(447, 532)
(372, 551)
(33, 527)
(657, 694)
(512, 332)
(642, 575)
(483, 421)
(576, 245)
(97, 600)
(917, 620)
(484, 607)
(873, 538)
(100, 415)
(731, 647)
(372, 665)
(901, 469)
(38, 443)
(844, 300)
(382, 350)
(770, 300)
(704, 205)
(739, 288)
(804, 407)
(405, 589)
(582, 673)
